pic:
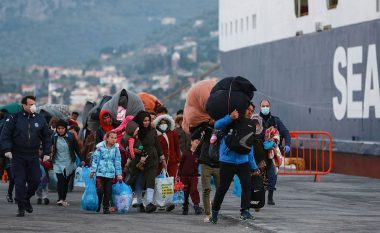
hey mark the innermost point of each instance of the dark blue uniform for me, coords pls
(22, 134)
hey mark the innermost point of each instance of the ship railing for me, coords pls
(310, 154)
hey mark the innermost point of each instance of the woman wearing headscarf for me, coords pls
(65, 150)
(154, 156)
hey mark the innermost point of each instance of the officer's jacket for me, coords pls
(23, 133)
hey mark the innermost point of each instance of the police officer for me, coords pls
(21, 137)
(268, 121)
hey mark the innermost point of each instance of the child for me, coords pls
(42, 190)
(188, 173)
(106, 164)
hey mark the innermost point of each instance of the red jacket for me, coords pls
(189, 164)
(171, 150)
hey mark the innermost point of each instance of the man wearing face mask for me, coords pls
(268, 121)
(21, 137)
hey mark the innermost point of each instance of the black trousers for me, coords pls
(11, 181)
(27, 176)
(104, 189)
(227, 172)
(62, 185)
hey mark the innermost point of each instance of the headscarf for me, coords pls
(139, 119)
(104, 126)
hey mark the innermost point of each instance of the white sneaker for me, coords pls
(207, 218)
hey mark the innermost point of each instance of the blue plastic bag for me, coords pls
(236, 190)
(86, 175)
(78, 178)
(178, 197)
(122, 197)
(90, 197)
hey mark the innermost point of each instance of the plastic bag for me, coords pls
(122, 197)
(178, 198)
(164, 189)
(86, 175)
(90, 197)
(52, 181)
(236, 190)
(78, 179)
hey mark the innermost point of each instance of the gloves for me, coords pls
(8, 155)
(287, 149)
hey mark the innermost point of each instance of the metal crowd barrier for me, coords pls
(310, 154)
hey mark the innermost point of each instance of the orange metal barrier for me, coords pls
(310, 154)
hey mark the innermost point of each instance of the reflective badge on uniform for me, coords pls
(36, 125)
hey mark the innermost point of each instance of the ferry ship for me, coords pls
(317, 62)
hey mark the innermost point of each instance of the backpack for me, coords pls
(240, 135)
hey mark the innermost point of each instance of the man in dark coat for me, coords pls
(268, 121)
(21, 138)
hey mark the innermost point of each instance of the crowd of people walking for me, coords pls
(135, 149)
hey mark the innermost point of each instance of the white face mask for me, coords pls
(33, 108)
(163, 127)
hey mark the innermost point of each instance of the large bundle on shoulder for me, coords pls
(194, 112)
(120, 105)
(59, 111)
(151, 102)
(229, 94)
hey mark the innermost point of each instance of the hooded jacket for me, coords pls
(169, 140)
(106, 162)
(103, 128)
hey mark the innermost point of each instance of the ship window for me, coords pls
(253, 21)
(231, 28)
(236, 26)
(301, 7)
(242, 24)
(377, 5)
(332, 4)
(247, 21)
(226, 29)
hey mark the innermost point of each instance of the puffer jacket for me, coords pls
(106, 162)
(228, 156)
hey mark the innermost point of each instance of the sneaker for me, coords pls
(170, 208)
(207, 218)
(141, 208)
(198, 210)
(9, 198)
(214, 217)
(106, 211)
(245, 215)
(65, 204)
(28, 206)
(60, 203)
(46, 201)
(39, 201)
(150, 208)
